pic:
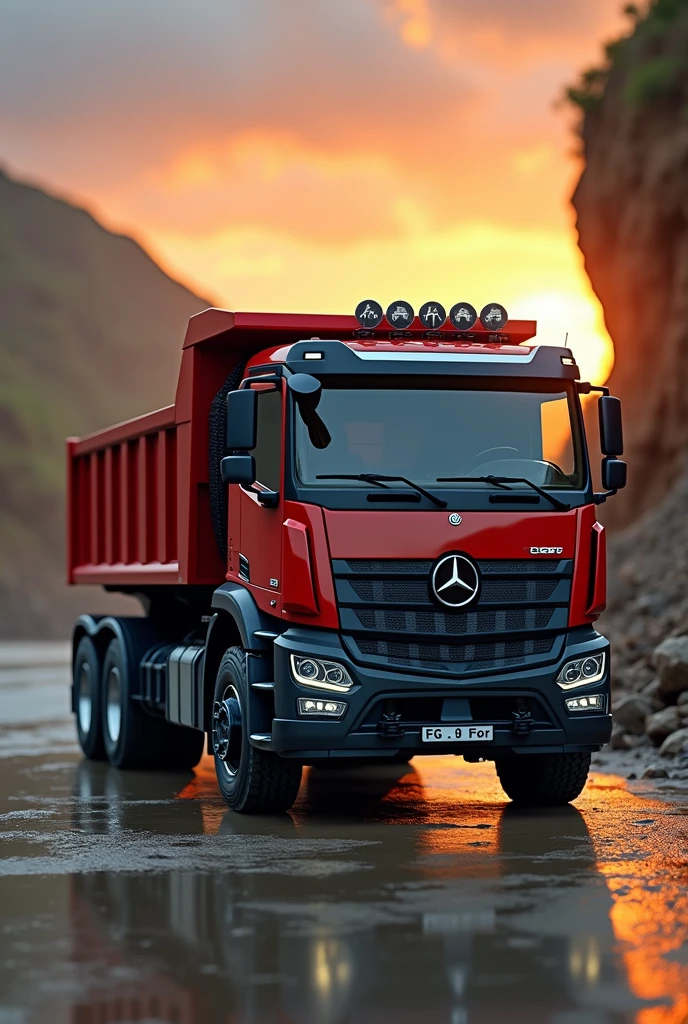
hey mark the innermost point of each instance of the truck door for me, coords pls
(260, 530)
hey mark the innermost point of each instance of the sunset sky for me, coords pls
(305, 154)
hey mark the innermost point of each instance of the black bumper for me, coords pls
(427, 700)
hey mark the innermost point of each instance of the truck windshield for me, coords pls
(426, 434)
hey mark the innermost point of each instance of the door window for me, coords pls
(268, 450)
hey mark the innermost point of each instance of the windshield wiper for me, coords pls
(380, 479)
(502, 481)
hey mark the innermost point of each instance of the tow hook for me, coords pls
(522, 719)
(390, 722)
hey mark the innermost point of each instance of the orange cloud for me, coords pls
(300, 155)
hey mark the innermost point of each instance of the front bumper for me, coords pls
(427, 700)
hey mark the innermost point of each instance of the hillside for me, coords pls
(90, 333)
(632, 216)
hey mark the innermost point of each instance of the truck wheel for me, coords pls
(543, 780)
(251, 781)
(183, 748)
(88, 698)
(133, 737)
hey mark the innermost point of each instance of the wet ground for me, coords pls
(404, 895)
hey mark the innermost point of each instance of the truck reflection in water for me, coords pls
(487, 916)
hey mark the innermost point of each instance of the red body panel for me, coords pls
(298, 581)
(480, 534)
(598, 601)
(430, 534)
(313, 518)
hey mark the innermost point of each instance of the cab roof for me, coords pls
(260, 330)
(324, 343)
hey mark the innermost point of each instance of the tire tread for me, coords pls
(541, 780)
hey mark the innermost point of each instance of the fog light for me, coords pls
(588, 703)
(329, 708)
(582, 671)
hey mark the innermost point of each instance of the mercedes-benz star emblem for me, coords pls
(454, 581)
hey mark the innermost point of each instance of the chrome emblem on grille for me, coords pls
(454, 581)
(455, 519)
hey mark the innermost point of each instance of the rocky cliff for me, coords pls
(632, 216)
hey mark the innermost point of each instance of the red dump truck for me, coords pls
(349, 542)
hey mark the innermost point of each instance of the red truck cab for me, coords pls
(350, 543)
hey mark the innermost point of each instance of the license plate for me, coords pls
(457, 733)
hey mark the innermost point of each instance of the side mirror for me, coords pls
(238, 469)
(307, 392)
(614, 474)
(611, 432)
(242, 420)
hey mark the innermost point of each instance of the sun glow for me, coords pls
(536, 275)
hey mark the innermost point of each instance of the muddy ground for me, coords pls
(405, 895)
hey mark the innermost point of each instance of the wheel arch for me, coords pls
(236, 622)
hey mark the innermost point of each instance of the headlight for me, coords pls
(582, 671)
(324, 675)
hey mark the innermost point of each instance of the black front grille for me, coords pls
(388, 615)
(450, 624)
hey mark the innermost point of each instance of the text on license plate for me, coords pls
(456, 733)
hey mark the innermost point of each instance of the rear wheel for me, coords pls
(543, 780)
(87, 699)
(134, 737)
(252, 781)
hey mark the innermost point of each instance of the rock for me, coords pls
(618, 739)
(662, 723)
(655, 771)
(671, 662)
(682, 701)
(651, 691)
(675, 743)
(631, 712)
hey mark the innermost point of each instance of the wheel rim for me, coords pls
(227, 733)
(113, 704)
(84, 698)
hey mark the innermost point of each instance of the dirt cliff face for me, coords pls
(632, 217)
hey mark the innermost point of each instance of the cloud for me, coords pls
(513, 27)
(322, 120)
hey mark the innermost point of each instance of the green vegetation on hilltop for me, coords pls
(651, 76)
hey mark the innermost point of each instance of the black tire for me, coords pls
(543, 780)
(87, 674)
(134, 737)
(251, 781)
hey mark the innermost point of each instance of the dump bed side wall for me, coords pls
(122, 488)
(139, 505)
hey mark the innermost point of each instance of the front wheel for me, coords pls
(543, 780)
(251, 781)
